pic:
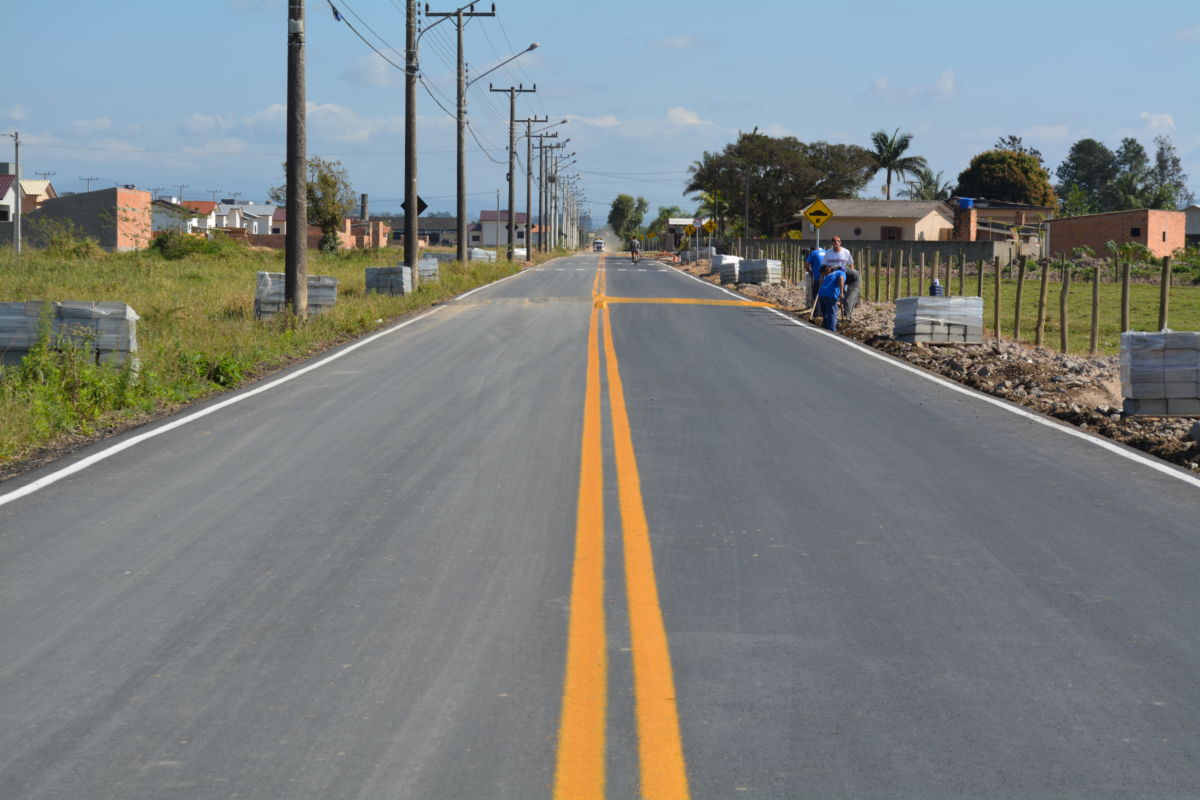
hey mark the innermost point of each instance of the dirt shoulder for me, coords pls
(1082, 391)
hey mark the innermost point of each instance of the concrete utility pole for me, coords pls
(541, 215)
(411, 212)
(461, 118)
(295, 278)
(179, 186)
(529, 183)
(16, 137)
(513, 91)
(156, 190)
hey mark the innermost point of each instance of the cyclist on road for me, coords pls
(635, 250)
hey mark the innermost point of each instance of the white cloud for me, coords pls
(205, 123)
(681, 116)
(372, 70)
(1188, 35)
(943, 89)
(95, 124)
(777, 130)
(17, 113)
(678, 43)
(272, 115)
(607, 121)
(1156, 121)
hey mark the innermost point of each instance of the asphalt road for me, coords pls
(547, 542)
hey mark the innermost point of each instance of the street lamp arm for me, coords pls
(513, 57)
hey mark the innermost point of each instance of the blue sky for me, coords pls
(165, 92)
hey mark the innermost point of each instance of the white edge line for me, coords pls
(108, 452)
(1061, 427)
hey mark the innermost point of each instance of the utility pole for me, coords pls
(295, 277)
(529, 183)
(411, 212)
(16, 137)
(179, 186)
(541, 215)
(45, 175)
(88, 181)
(461, 118)
(156, 190)
(513, 91)
(235, 196)
(214, 193)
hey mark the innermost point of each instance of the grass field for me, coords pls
(196, 335)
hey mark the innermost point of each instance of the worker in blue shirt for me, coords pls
(816, 260)
(833, 285)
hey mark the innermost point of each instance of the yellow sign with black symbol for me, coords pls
(818, 214)
(690, 230)
(710, 226)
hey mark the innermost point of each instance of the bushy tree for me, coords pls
(777, 176)
(329, 198)
(1015, 144)
(888, 152)
(1091, 167)
(1009, 176)
(660, 221)
(626, 214)
(1166, 175)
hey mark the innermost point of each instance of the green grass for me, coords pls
(196, 335)
(1183, 310)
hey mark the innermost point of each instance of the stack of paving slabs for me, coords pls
(727, 267)
(427, 269)
(479, 254)
(760, 270)
(443, 258)
(939, 320)
(269, 296)
(1160, 373)
(389, 280)
(108, 331)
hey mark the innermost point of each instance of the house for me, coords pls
(34, 193)
(1191, 229)
(206, 212)
(492, 229)
(168, 216)
(1161, 231)
(995, 220)
(119, 218)
(441, 231)
(885, 221)
(258, 217)
(8, 199)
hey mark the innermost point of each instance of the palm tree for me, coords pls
(889, 156)
(927, 186)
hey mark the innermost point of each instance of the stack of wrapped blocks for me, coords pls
(269, 296)
(727, 267)
(107, 330)
(479, 254)
(1160, 373)
(760, 270)
(427, 269)
(939, 320)
(389, 280)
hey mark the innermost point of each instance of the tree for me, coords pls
(889, 157)
(1090, 166)
(626, 214)
(659, 224)
(1167, 177)
(1015, 144)
(329, 197)
(776, 177)
(1009, 176)
(927, 186)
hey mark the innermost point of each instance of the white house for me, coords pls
(8, 197)
(492, 229)
(257, 217)
(168, 216)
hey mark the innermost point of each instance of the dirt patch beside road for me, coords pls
(1082, 391)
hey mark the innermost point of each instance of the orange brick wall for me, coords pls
(133, 219)
(1161, 231)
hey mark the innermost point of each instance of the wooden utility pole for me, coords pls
(411, 212)
(529, 183)
(295, 278)
(512, 91)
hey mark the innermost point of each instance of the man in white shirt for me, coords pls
(837, 256)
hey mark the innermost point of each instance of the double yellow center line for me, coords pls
(580, 770)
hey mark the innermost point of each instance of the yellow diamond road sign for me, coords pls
(818, 214)
(710, 226)
(690, 230)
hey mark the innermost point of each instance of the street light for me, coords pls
(16, 137)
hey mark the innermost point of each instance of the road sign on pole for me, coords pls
(818, 214)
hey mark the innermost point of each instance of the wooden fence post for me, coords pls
(979, 264)
(1063, 296)
(1041, 317)
(921, 278)
(1023, 261)
(996, 308)
(1126, 272)
(878, 274)
(962, 274)
(1094, 341)
(1164, 293)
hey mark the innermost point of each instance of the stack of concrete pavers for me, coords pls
(443, 258)
(389, 280)
(1160, 373)
(687, 256)
(107, 330)
(939, 320)
(727, 267)
(269, 296)
(760, 270)
(427, 269)
(479, 254)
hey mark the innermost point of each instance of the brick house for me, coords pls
(1161, 231)
(118, 218)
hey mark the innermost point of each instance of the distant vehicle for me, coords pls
(598, 246)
